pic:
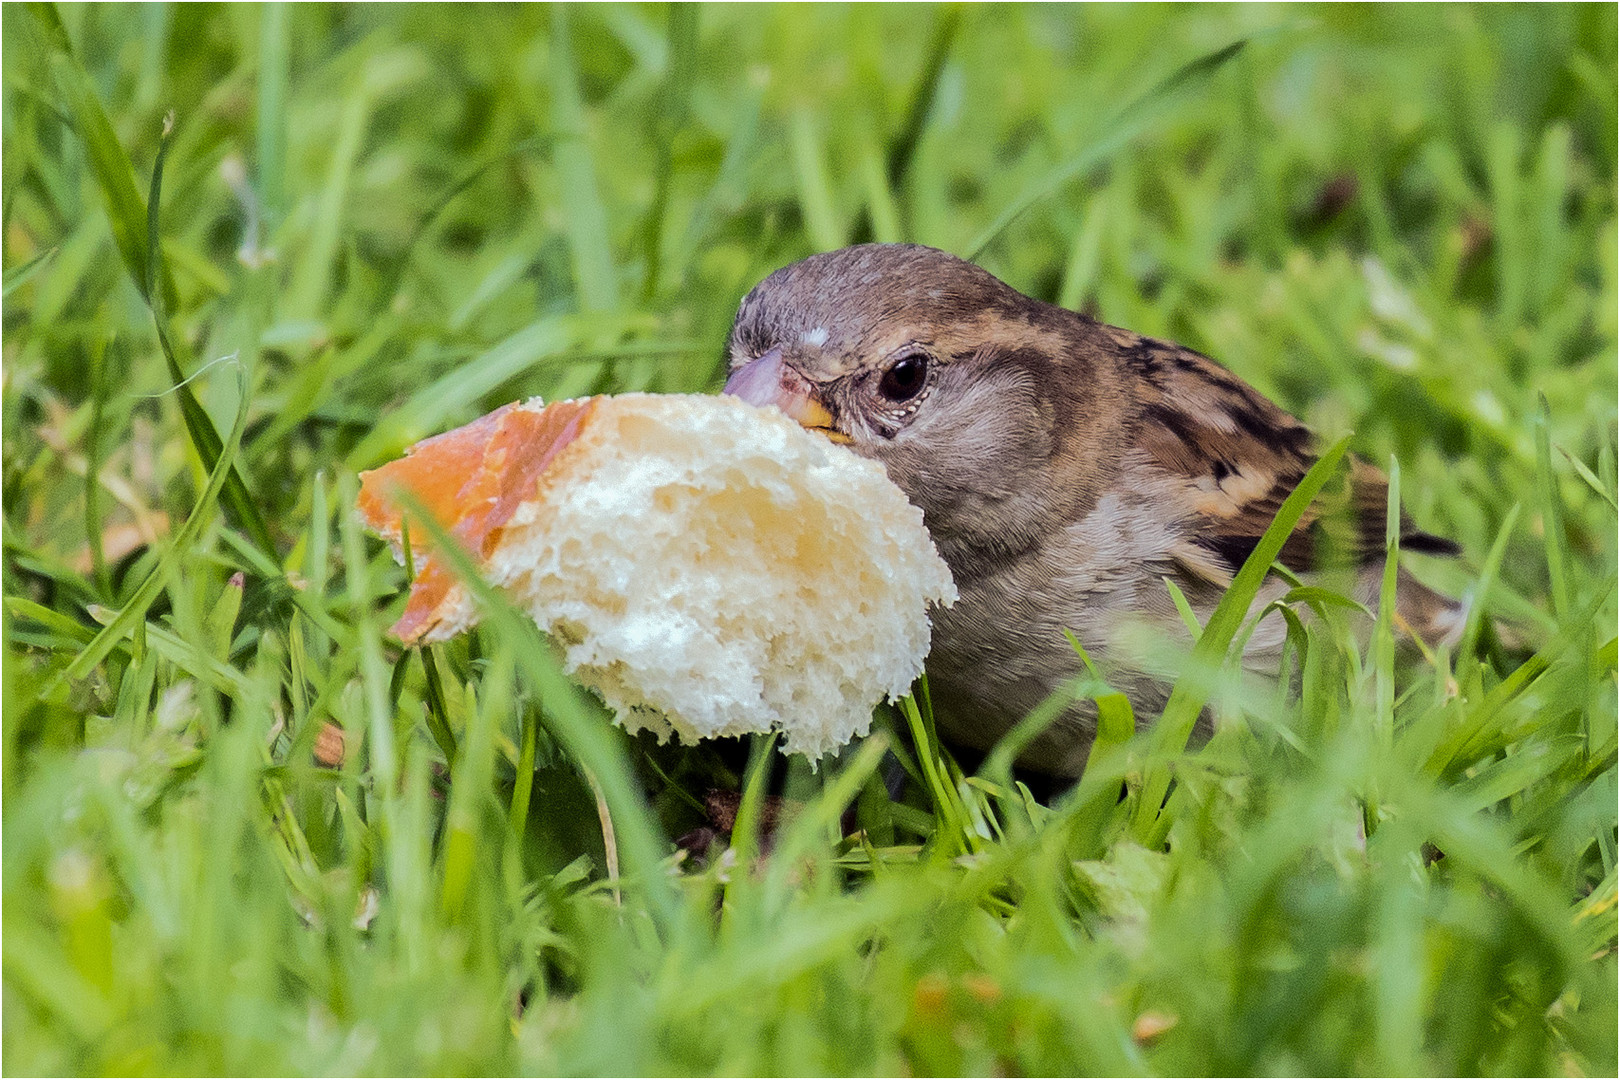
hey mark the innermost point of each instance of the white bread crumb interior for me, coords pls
(711, 568)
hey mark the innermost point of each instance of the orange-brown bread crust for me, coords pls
(472, 480)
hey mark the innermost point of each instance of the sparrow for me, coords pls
(1064, 468)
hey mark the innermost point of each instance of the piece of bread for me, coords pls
(708, 567)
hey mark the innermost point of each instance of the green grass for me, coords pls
(375, 223)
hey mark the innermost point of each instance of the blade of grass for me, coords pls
(472, 782)
(1094, 806)
(271, 126)
(903, 147)
(1590, 479)
(1548, 193)
(1477, 841)
(189, 656)
(1469, 741)
(523, 782)
(809, 829)
(1384, 627)
(1507, 776)
(443, 398)
(610, 835)
(816, 201)
(328, 627)
(18, 276)
(1175, 723)
(952, 830)
(730, 183)
(1131, 121)
(303, 396)
(1116, 720)
(1507, 222)
(1189, 618)
(380, 741)
(673, 106)
(1479, 608)
(881, 211)
(317, 563)
(505, 274)
(308, 293)
(745, 829)
(997, 766)
(135, 611)
(220, 625)
(1383, 645)
(135, 232)
(198, 425)
(396, 274)
(22, 608)
(579, 732)
(156, 21)
(1552, 516)
(584, 216)
(115, 176)
(438, 714)
(745, 835)
(92, 469)
(1085, 253)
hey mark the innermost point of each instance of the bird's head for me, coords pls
(925, 362)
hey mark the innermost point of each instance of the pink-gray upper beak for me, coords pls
(771, 380)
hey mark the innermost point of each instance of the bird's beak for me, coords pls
(770, 380)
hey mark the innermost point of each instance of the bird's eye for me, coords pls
(905, 378)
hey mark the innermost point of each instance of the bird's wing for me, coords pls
(1233, 456)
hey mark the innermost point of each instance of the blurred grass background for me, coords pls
(378, 222)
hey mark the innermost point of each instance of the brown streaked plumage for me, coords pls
(1064, 468)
